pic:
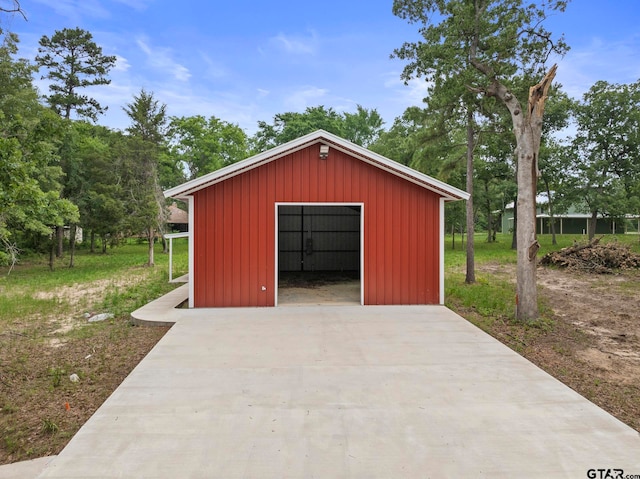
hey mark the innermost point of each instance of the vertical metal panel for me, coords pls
(234, 236)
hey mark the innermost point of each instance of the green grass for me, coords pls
(31, 290)
(493, 297)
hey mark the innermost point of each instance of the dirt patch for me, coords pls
(86, 294)
(602, 308)
(41, 407)
(592, 342)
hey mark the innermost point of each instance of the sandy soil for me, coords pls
(605, 307)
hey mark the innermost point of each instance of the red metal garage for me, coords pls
(235, 211)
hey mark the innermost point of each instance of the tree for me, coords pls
(202, 145)
(499, 40)
(74, 61)
(607, 149)
(30, 174)
(97, 180)
(145, 202)
(554, 155)
(362, 127)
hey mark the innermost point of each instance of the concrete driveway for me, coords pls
(341, 392)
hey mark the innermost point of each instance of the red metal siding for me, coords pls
(234, 236)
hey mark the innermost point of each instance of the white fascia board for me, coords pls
(449, 192)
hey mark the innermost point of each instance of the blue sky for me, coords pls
(245, 61)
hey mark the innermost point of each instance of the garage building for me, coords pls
(318, 204)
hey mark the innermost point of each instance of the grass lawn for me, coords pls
(493, 296)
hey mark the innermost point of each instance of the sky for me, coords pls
(245, 61)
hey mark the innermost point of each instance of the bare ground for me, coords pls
(592, 342)
(40, 407)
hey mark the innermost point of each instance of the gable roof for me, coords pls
(448, 192)
(176, 215)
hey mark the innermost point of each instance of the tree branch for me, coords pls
(16, 9)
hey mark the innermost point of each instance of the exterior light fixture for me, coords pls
(324, 152)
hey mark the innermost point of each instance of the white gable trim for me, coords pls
(448, 192)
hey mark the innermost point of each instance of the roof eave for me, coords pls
(448, 192)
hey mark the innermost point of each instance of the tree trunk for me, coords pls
(59, 241)
(514, 234)
(471, 271)
(93, 242)
(453, 237)
(151, 233)
(592, 224)
(527, 126)
(52, 249)
(551, 217)
(72, 244)
(490, 235)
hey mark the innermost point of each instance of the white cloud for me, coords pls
(122, 64)
(139, 5)
(262, 93)
(612, 61)
(160, 59)
(301, 99)
(214, 69)
(75, 10)
(413, 93)
(296, 44)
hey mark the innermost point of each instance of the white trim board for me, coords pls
(450, 193)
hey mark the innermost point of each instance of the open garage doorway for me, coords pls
(319, 251)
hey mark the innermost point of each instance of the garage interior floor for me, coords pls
(297, 289)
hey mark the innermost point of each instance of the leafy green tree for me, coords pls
(607, 149)
(423, 141)
(500, 40)
(73, 62)
(146, 145)
(203, 145)
(30, 174)
(97, 182)
(362, 127)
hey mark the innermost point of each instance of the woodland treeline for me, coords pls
(60, 169)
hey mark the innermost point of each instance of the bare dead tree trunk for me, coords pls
(527, 126)
(471, 270)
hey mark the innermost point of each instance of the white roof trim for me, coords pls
(446, 191)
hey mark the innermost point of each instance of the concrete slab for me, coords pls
(342, 391)
(161, 311)
(25, 469)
